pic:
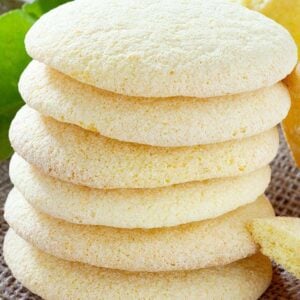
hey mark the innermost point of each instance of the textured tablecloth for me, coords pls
(284, 192)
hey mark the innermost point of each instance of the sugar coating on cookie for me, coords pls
(82, 157)
(212, 242)
(136, 208)
(168, 122)
(56, 279)
(279, 239)
(157, 48)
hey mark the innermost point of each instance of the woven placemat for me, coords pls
(284, 193)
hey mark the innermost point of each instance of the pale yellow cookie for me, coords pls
(178, 121)
(56, 279)
(83, 157)
(155, 48)
(279, 239)
(136, 208)
(196, 245)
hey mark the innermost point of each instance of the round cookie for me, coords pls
(136, 208)
(169, 122)
(156, 48)
(83, 157)
(212, 242)
(56, 279)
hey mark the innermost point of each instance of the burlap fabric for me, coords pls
(284, 193)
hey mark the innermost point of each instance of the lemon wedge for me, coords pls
(291, 125)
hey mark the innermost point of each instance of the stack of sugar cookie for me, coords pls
(143, 150)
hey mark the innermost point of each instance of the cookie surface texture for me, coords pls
(164, 48)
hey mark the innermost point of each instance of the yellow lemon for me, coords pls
(291, 124)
